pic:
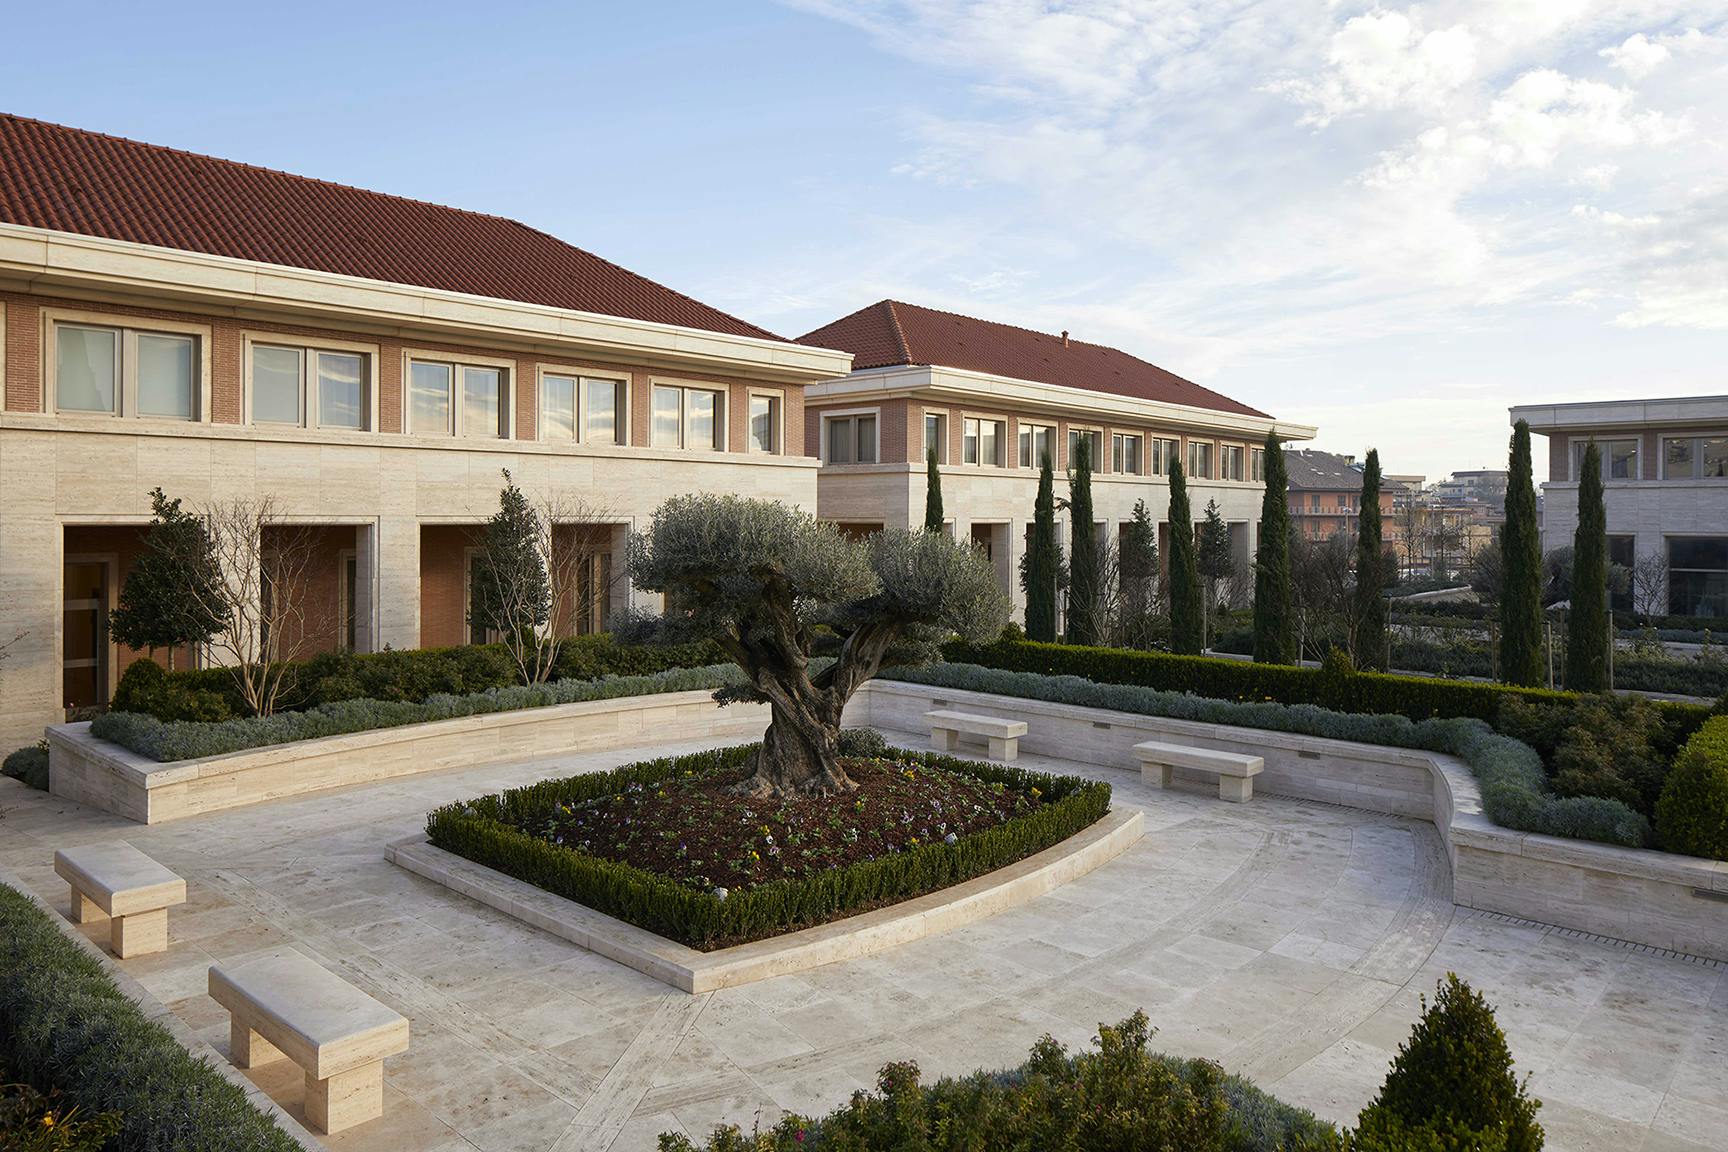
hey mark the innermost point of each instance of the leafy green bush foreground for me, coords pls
(1692, 813)
(65, 1026)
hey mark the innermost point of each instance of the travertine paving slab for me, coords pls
(1289, 940)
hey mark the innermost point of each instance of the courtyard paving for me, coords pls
(1288, 940)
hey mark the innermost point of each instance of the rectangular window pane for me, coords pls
(342, 390)
(969, 441)
(482, 402)
(866, 439)
(602, 417)
(989, 442)
(1621, 460)
(701, 426)
(275, 385)
(762, 423)
(665, 422)
(1713, 456)
(840, 441)
(1702, 552)
(933, 437)
(1677, 459)
(429, 398)
(165, 376)
(558, 407)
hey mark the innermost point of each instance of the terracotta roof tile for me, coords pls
(69, 180)
(890, 332)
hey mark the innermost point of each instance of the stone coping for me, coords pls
(694, 971)
(157, 1012)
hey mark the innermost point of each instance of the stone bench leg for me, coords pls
(1156, 775)
(345, 1099)
(944, 739)
(139, 933)
(1004, 747)
(84, 910)
(1239, 789)
(247, 1049)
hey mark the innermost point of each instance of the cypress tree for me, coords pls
(1082, 550)
(1139, 565)
(1587, 622)
(1274, 631)
(1521, 571)
(1186, 599)
(1215, 561)
(932, 494)
(165, 601)
(1370, 579)
(1038, 574)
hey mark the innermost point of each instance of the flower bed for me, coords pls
(837, 867)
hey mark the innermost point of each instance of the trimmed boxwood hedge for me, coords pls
(190, 739)
(64, 1025)
(1692, 814)
(488, 831)
(1514, 785)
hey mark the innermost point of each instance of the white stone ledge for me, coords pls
(695, 971)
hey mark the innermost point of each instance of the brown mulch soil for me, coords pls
(695, 830)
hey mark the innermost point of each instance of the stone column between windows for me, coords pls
(32, 544)
(366, 587)
(396, 576)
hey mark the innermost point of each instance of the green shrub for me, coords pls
(1692, 813)
(1513, 782)
(1118, 1097)
(488, 831)
(64, 1025)
(864, 743)
(28, 764)
(1452, 1084)
(147, 688)
(1616, 747)
(188, 740)
(32, 1121)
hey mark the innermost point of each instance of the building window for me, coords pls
(429, 407)
(310, 387)
(1164, 454)
(1622, 553)
(1035, 443)
(981, 442)
(118, 370)
(1257, 465)
(1199, 460)
(1094, 443)
(1698, 575)
(1693, 458)
(1125, 453)
(764, 423)
(1231, 459)
(580, 408)
(851, 439)
(686, 418)
(483, 411)
(434, 409)
(1619, 459)
(936, 436)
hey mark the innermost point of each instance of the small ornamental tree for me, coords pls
(1520, 570)
(1274, 623)
(1039, 569)
(1453, 1080)
(1186, 599)
(1370, 576)
(1082, 550)
(933, 518)
(759, 579)
(1587, 621)
(1215, 562)
(155, 609)
(1138, 565)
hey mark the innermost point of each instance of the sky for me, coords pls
(1391, 222)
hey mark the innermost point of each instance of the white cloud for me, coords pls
(1637, 56)
(1384, 60)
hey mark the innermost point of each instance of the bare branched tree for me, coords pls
(540, 575)
(1648, 581)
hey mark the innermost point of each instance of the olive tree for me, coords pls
(761, 579)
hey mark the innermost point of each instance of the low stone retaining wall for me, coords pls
(114, 779)
(1678, 903)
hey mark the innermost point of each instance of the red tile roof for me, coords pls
(69, 180)
(889, 333)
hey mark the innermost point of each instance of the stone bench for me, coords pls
(1002, 736)
(118, 881)
(282, 1003)
(1235, 771)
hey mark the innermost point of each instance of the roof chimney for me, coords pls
(1064, 337)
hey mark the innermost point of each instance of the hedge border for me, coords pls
(65, 1024)
(487, 831)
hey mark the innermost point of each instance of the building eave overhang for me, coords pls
(48, 261)
(1667, 412)
(959, 386)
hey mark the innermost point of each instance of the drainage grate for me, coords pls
(1575, 934)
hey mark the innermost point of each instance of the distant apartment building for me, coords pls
(1665, 479)
(370, 364)
(991, 399)
(1326, 495)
